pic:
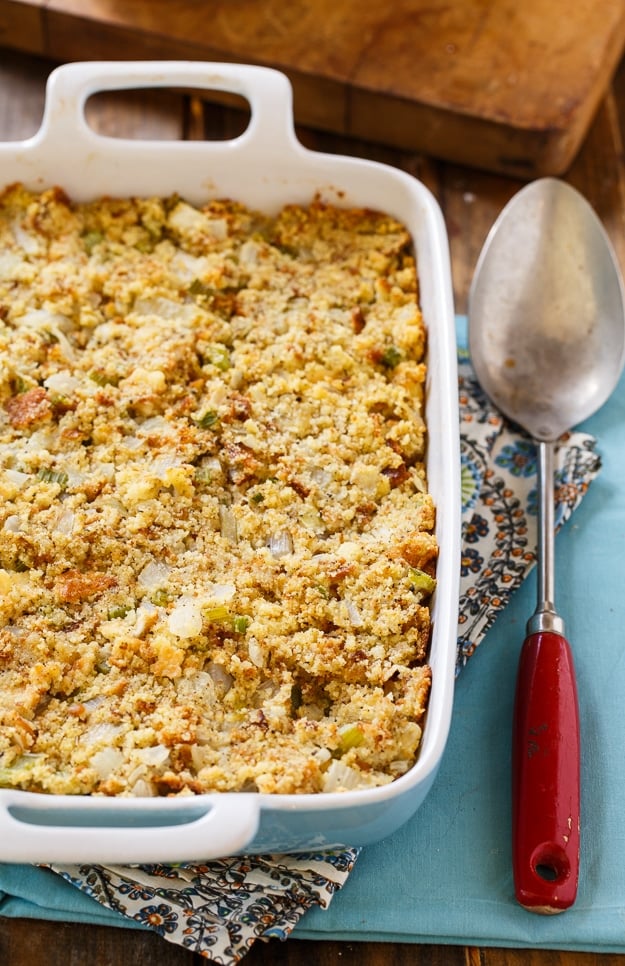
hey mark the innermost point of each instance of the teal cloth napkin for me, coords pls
(446, 875)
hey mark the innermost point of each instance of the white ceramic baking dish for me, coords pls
(265, 167)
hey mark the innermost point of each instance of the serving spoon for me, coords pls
(547, 343)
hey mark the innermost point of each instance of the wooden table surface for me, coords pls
(470, 201)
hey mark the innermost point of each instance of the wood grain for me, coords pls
(470, 201)
(503, 86)
(26, 942)
(22, 25)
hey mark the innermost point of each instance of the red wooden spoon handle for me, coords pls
(546, 776)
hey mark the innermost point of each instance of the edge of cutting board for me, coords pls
(468, 84)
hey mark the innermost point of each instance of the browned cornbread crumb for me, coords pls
(216, 538)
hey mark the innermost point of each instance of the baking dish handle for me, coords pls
(44, 828)
(268, 92)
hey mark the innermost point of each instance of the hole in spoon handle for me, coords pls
(546, 776)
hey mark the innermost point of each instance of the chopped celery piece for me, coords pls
(160, 597)
(218, 356)
(218, 614)
(391, 357)
(351, 737)
(198, 287)
(102, 378)
(53, 476)
(209, 419)
(116, 612)
(91, 239)
(419, 580)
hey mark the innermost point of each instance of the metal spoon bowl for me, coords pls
(546, 333)
(547, 342)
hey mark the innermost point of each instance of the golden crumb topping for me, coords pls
(216, 536)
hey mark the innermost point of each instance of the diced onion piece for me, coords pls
(153, 576)
(321, 755)
(353, 613)
(62, 383)
(210, 469)
(248, 252)
(65, 521)
(27, 240)
(280, 544)
(12, 524)
(17, 477)
(228, 524)
(132, 442)
(340, 777)
(381, 535)
(223, 680)
(147, 616)
(185, 620)
(366, 477)
(314, 712)
(312, 520)
(256, 653)
(155, 426)
(197, 757)
(107, 470)
(419, 483)
(93, 703)
(197, 686)
(222, 592)
(44, 438)
(15, 632)
(218, 228)
(188, 267)
(399, 767)
(160, 466)
(162, 307)
(142, 789)
(155, 755)
(186, 219)
(350, 550)
(10, 262)
(106, 732)
(50, 323)
(319, 476)
(106, 761)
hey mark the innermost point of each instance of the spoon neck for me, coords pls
(545, 610)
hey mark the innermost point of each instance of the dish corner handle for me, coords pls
(268, 91)
(45, 828)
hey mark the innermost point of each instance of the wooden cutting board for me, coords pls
(506, 85)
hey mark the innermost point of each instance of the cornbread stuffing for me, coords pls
(216, 537)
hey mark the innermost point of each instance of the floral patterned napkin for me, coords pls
(220, 908)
